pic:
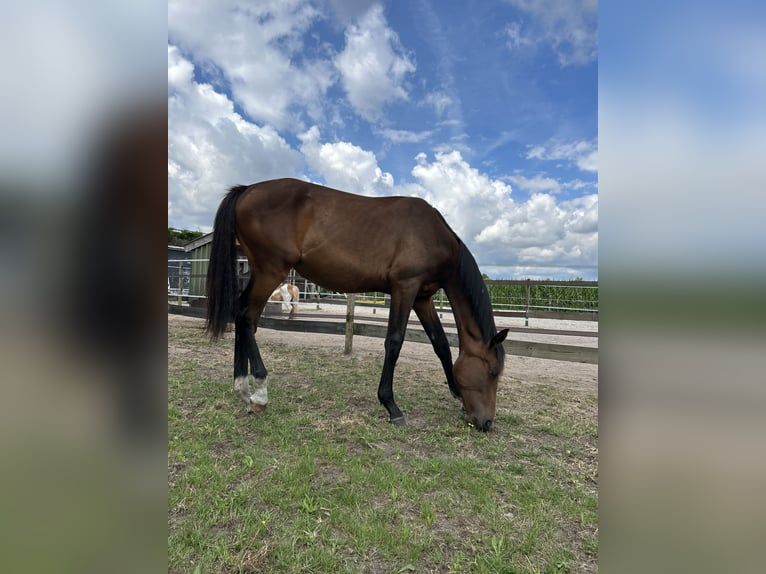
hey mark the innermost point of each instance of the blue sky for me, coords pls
(487, 109)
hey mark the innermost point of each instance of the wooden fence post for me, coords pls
(180, 283)
(441, 303)
(350, 300)
(526, 313)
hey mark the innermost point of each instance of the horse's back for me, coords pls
(345, 241)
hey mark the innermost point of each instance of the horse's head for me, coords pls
(477, 370)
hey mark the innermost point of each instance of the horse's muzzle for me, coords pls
(486, 426)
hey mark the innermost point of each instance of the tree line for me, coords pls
(181, 237)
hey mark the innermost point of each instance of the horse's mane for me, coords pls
(474, 287)
(476, 293)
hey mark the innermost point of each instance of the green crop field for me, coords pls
(512, 296)
(322, 483)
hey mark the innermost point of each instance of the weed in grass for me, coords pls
(310, 504)
(429, 516)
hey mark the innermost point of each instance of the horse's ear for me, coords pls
(498, 339)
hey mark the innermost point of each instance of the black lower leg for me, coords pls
(247, 356)
(385, 389)
(442, 350)
(240, 351)
(256, 362)
(433, 328)
(242, 329)
(246, 353)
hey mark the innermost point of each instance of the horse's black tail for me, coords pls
(222, 289)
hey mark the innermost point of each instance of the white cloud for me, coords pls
(468, 199)
(346, 11)
(440, 101)
(211, 147)
(583, 214)
(570, 28)
(372, 65)
(589, 162)
(584, 154)
(501, 231)
(345, 166)
(535, 184)
(537, 223)
(404, 136)
(516, 38)
(541, 231)
(256, 48)
(578, 184)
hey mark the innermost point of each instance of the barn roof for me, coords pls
(199, 242)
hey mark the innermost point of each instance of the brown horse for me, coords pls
(349, 243)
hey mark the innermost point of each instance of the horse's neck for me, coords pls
(468, 330)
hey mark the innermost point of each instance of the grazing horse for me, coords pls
(352, 244)
(287, 293)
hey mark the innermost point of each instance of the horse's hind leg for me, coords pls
(251, 386)
(246, 355)
(401, 304)
(429, 318)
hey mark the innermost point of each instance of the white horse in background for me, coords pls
(289, 295)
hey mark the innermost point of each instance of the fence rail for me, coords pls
(348, 326)
(570, 300)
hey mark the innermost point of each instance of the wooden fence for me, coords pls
(574, 300)
(335, 324)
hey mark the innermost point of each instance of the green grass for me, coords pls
(322, 483)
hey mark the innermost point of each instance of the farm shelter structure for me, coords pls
(198, 252)
(179, 269)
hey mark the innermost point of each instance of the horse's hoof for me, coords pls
(398, 421)
(256, 409)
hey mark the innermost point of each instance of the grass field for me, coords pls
(322, 483)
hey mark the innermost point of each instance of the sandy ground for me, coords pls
(525, 370)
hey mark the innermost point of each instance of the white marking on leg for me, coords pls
(242, 388)
(260, 396)
(285, 292)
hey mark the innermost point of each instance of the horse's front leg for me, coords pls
(429, 318)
